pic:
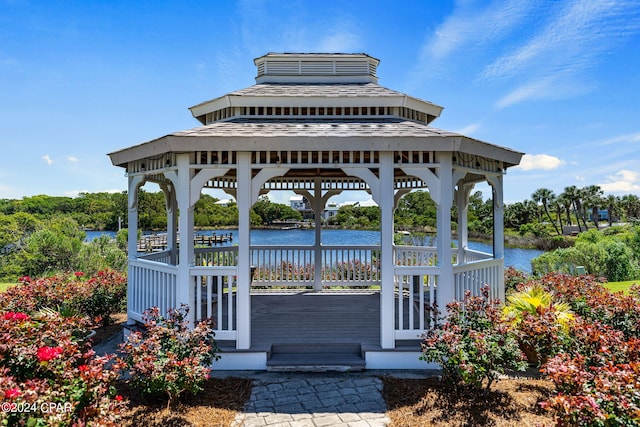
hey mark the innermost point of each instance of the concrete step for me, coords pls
(315, 357)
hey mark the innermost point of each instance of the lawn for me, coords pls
(5, 286)
(621, 286)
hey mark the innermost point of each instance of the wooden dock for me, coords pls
(158, 242)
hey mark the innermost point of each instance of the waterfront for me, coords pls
(516, 257)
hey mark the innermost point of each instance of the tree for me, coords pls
(573, 194)
(545, 196)
(612, 207)
(592, 196)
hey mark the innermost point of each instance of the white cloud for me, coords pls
(340, 40)
(469, 129)
(47, 159)
(72, 159)
(539, 161)
(625, 181)
(472, 25)
(575, 37)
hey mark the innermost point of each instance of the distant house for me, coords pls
(224, 202)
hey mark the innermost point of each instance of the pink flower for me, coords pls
(12, 393)
(20, 317)
(47, 353)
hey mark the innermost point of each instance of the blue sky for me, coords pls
(558, 80)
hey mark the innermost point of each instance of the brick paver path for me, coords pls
(315, 400)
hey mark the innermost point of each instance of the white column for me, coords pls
(498, 229)
(243, 286)
(387, 203)
(172, 221)
(185, 292)
(498, 218)
(462, 205)
(132, 220)
(446, 289)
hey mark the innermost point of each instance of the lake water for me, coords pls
(516, 257)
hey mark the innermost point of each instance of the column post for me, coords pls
(446, 286)
(462, 205)
(387, 280)
(132, 242)
(243, 285)
(185, 292)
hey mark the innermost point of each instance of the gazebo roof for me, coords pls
(386, 134)
(317, 102)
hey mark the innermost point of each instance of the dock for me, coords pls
(158, 242)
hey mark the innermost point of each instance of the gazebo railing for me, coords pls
(215, 297)
(473, 276)
(213, 277)
(342, 265)
(151, 284)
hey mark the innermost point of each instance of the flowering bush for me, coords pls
(475, 344)
(47, 378)
(598, 380)
(96, 297)
(587, 297)
(169, 358)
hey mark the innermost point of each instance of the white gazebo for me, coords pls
(317, 125)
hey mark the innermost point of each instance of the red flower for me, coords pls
(20, 317)
(47, 353)
(83, 368)
(119, 398)
(24, 279)
(12, 393)
(79, 273)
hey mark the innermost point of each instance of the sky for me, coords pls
(558, 80)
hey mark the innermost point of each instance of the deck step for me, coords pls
(315, 357)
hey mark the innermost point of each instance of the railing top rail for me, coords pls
(154, 265)
(476, 265)
(475, 252)
(415, 248)
(216, 249)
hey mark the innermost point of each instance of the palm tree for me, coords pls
(573, 194)
(558, 207)
(593, 198)
(566, 202)
(545, 196)
(612, 206)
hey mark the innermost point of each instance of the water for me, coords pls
(516, 257)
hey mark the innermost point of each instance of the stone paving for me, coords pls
(314, 400)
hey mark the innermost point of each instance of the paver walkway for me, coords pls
(314, 400)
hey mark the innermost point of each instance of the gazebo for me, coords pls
(317, 125)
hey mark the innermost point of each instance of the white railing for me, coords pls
(471, 255)
(151, 284)
(473, 276)
(296, 265)
(162, 257)
(283, 265)
(215, 297)
(350, 265)
(414, 255)
(222, 256)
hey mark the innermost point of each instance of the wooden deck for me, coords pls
(315, 317)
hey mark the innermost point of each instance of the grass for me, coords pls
(621, 286)
(5, 286)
